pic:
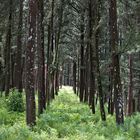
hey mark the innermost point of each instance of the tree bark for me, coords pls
(99, 82)
(29, 83)
(74, 77)
(18, 60)
(92, 57)
(48, 70)
(87, 73)
(130, 90)
(115, 61)
(82, 61)
(8, 50)
(41, 59)
(51, 71)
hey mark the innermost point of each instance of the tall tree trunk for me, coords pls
(87, 74)
(56, 81)
(68, 74)
(56, 57)
(29, 83)
(12, 63)
(82, 64)
(18, 60)
(92, 57)
(8, 50)
(48, 70)
(110, 89)
(100, 91)
(61, 76)
(115, 61)
(138, 105)
(74, 77)
(130, 91)
(51, 72)
(41, 59)
(1, 75)
(78, 72)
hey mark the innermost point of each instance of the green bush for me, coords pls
(4, 117)
(15, 102)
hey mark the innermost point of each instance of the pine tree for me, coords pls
(30, 50)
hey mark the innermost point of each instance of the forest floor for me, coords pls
(66, 119)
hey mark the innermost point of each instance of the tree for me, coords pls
(8, 50)
(41, 58)
(74, 76)
(130, 90)
(92, 55)
(82, 60)
(29, 83)
(99, 82)
(18, 59)
(115, 61)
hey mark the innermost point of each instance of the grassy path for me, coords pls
(71, 120)
(67, 119)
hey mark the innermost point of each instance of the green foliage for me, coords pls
(15, 102)
(73, 120)
(67, 119)
(22, 132)
(4, 117)
(9, 118)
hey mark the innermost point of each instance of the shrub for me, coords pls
(4, 117)
(15, 102)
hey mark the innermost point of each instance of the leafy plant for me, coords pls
(68, 119)
(15, 102)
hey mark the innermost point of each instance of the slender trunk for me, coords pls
(78, 73)
(100, 91)
(1, 75)
(82, 61)
(87, 77)
(18, 60)
(8, 50)
(48, 70)
(115, 61)
(74, 77)
(51, 72)
(41, 59)
(68, 74)
(29, 84)
(111, 100)
(57, 81)
(92, 57)
(130, 91)
(12, 57)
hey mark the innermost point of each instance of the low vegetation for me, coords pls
(67, 119)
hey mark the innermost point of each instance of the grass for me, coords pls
(67, 119)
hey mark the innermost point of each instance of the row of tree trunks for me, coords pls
(94, 56)
(89, 60)
(53, 73)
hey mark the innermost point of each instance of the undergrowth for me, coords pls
(67, 119)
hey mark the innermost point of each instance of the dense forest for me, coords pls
(69, 69)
